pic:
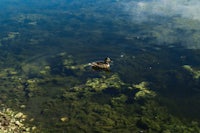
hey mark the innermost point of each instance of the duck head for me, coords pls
(107, 60)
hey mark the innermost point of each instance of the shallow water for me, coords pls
(45, 48)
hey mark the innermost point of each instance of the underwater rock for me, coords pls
(143, 91)
(19, 115)
(195, 73)
(13, 122)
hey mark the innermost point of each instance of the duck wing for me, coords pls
(96, 63)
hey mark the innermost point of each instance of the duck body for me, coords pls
(101, 64)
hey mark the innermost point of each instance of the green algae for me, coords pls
(119, 101)
(84, 114)
(143, 91)
(69, 64)
(155, 118)
(195, 73)
(11, 35)
(99, 84)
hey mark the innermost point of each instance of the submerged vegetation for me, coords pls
(12, 122)
(47, 85)
(54, 100)
(195, 73)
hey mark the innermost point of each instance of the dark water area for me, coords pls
(153, 83)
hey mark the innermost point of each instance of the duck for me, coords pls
(101, 64)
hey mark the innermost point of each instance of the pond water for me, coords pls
(153, 84)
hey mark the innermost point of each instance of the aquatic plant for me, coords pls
(99, 84)
(119, 101)
(69, 64)
(11, 35)
(63, 95)
(143, 91)
(195, 73)
(155, 118)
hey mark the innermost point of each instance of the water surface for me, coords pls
(45, 48)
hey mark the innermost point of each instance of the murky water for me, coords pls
(45, 48)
